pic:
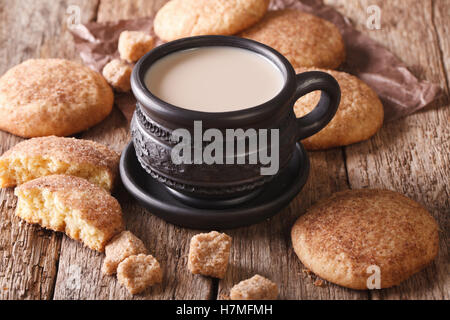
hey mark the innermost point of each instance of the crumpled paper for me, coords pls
(399, 90)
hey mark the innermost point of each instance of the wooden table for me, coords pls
(410, 155)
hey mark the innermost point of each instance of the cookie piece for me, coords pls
(73, 205)
(184, 18)
(359, 116)
(255, 288)
(138, 272)
(119, 248)
(134, 44)
(209, 254)
(37, 157)
(342, 238)
(304, 39)
(43, 97)
(118, 74)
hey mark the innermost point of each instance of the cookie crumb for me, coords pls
(118, 73)
(138, 272)
(307, 272)
(119, 248)
(255, 288)
(134, 44)
(319, 283)
(223, 296)
(209, 254)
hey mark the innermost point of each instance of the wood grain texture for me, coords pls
(441, 14)
(411, 155)
(168, 244)
(111, 10)
(29, 254)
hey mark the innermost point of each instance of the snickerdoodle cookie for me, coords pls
(359, 115)
(184, 18)
(304, 39)
(42, 97)
(45, 156)
(347, 237)
(72, 205)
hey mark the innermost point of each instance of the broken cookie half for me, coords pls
(73, 205)
(45, 156)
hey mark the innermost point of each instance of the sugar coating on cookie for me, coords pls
(119, 248)
(255, 288)
(73, 205)
(134, 44)
(344, 239)
(184, 18)
(118, 74)
(359, 116)
(37, 157)
(43, 97)
(138, 272)
(209, 254)
(304, 39)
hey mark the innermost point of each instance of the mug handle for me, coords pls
(325, 110)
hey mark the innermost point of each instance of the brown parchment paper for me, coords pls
(399, 90)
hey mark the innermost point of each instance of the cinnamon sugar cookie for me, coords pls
(304, 39)
(42, 97)
(185, 18)
(359, 116)
(345, 238)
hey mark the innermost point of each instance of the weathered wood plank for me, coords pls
(441, 14)
(111, 10)
(411, 155)
(169, 244)
(29, 254)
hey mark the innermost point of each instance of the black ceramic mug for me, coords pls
(155, 120)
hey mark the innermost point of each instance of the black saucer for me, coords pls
(159, 201)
